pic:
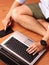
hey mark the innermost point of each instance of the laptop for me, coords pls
(14, 49)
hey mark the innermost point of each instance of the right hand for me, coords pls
(6, 23)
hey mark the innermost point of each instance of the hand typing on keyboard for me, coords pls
(34, 48)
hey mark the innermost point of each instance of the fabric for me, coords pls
(44, 5)
(36, 11)
(20, 1)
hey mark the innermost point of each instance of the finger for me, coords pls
(28, 48)
(33, 51)
(4, 27)
(8, 24)
(4, 24)
(31, 46)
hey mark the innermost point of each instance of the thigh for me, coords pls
(36, 11)
(23, 9)
(43, 23)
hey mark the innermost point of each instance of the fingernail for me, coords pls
(33, 54)
(29, 53)
(26, 49)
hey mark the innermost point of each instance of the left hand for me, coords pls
(34, 48)
(6, 22)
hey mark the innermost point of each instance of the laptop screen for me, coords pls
(20, 49)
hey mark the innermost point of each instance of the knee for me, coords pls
(14, 13)
(18, 10)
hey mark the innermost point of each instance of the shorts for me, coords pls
(36, 11)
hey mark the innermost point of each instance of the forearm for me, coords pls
(15, 4)
(46, 37)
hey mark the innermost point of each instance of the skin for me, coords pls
(23, 15)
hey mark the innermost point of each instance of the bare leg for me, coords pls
(23, 16)
(43, 23)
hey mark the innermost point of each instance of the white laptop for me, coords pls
(16, 45)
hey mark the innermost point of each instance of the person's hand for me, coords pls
(6, 23)
(34, 48)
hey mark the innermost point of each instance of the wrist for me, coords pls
(43, 43)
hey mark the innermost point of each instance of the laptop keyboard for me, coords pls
(20, 49)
